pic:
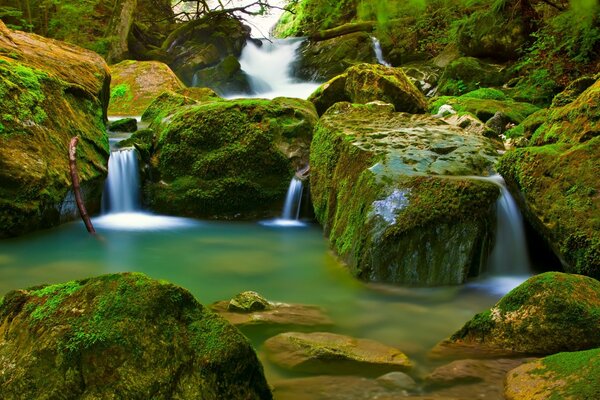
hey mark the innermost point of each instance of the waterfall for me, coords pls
(379, 52)
(269, 66)
(293, 199)
(122, 187)
(509, 256)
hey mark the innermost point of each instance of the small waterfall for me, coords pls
(293, 199)
(122, 187)
(269, 66)
(509, 256)
(379, 52)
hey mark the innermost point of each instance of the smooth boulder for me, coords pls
(549, 313)
(50, 91)
(395, 195)
(122, 336)
(136, 83)
(365, 83)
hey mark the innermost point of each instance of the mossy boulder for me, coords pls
(557, 178)
(50, 91)
(123, 125)
(136, 83)
(484, 103)
(365, 83)
(569, 376)
(467, 74)
(330, 353)
(380, 188)
(324, 59)
(230, 159)
(122, 335)
(169, 102)
(203, 43)
(225, 77)
(547, 314)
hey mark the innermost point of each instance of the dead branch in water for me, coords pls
(76, 187)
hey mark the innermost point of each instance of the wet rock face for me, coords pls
(228, 159)
(381, 189)
(365, 83)
(49, 92)
(549, 313)
(321, 352)
(122, 335)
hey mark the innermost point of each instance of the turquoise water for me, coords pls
(216, 260)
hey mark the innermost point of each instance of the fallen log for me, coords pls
(76, 187)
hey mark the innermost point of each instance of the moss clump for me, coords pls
(549, 313)
(467, 74)
(228, 158)
(119, 335)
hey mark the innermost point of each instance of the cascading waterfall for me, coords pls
(378, 52)
(293, 200)
(269, 66)
(509, 256)
(122, 187)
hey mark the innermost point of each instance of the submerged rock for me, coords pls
(229, 159)
(321, 352)
(122, 335)
(50, 91)
(549, 313)
(569, 376)
(387, 189)
(251, 309)
(136, 83)
(320, 60)
(365, 83)
(556, 178)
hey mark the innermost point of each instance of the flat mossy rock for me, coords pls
(485, 103)
(203, 43)
(50, 91)
(365, 83)
(230, 159)
(547, 314)
(557, 178)
(122, 336)
(136, 83)
(568, 376)
(467, 74)
(322, 352)
(168, 102)
(123, 125)
(324, 59)
(393, 194)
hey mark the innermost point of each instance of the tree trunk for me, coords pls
(76, 188)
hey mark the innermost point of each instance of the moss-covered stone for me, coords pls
(484, 103)
(230, 159)
(203, 43)
(569, 376)
(247, 302)
(549, 313)
(364, 83)
(324, 59)
(136, 83)
(49, 92)
(467, 74)
(123, 125)
(557, 177)
(122, 335)
(380, 189)
(225, 77)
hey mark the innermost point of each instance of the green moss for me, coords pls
(120, 91)
(486, 94)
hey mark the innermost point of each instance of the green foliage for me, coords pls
(53, 296)
(13, 18)
(120, 91)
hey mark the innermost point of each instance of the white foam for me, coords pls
(139, 221)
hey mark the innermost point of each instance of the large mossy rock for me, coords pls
(50, 91)
(557, 178)
(136, 83)
(229, 159)
(380, 188)
(225, 77)
(122, 336)
(547, 314)
(467, 74)
(569, 376)
(365, 83)
(203, 43)
(321, 60)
